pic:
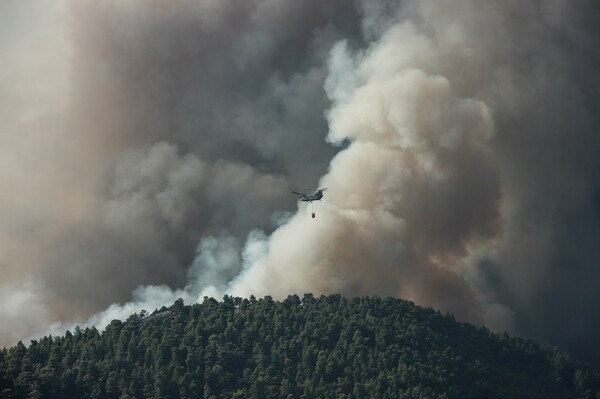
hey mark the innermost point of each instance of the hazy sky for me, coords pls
(148, 150)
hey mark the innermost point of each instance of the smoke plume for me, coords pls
(149, 149)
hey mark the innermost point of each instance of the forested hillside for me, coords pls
(326, 347)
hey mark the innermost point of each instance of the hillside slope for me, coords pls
(326, 347)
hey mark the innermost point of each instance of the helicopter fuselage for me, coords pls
(312, 197)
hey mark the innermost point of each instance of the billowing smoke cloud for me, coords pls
(458, 142)
(141, 127)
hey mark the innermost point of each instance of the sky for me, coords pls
(148, 150)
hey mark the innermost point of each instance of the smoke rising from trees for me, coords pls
(149, 148)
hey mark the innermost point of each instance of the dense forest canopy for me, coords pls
(325, 347)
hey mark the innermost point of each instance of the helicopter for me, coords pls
(316, 196)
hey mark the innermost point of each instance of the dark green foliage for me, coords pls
(327, 347)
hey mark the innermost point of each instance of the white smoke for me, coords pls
(22, 311)
(414, 189)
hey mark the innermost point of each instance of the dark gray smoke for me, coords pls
(141, 127)
(154, 144)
